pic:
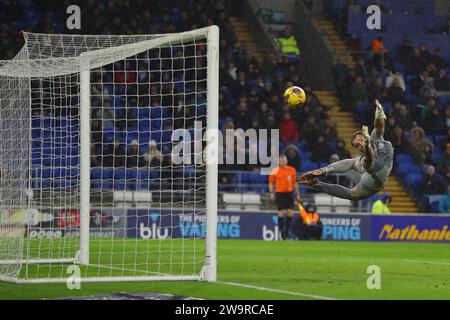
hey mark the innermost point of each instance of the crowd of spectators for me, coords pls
(413, 85)
(250, 89)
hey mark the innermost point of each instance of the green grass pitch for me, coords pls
(292, 270)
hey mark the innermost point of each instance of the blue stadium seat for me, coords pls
(308, 165)
(143, 174)
(119, 174)
(332, 145)
(132, 174)
(144, 113)
(403, 158)
(408, 168)
(413, 182)
(156, 113)
(156, 124)
(305, 155)
(144, 124)
(119, 89)
(438, 142)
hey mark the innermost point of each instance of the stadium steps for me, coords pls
(340, 48)
(244, 36)
(346, 125)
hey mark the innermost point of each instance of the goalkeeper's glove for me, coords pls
(365, 132)
(379, 113)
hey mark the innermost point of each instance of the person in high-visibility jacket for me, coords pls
(381, 206)
(288, 43)
(310, 226)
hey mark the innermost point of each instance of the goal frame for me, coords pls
(209, 269)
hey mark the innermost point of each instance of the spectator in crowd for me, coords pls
(428, 108)
(293, 156)
(340, 76)
(320, 151)
(381, 206)
(358, 91)
(106, 114)
(395, 92)
(378, 46)
(421, 148)
(134, 158)
(263, 113)
(444, 163)
(269, 64)
(419, 81)
(391, 124)
(328, 128)
(442, 82)
(360, 69)
(96, 135)
(288, 43)
(432, 184)
(438, 61)
(96, 160)
(425, 57)
(242, 116)
(153, 156)
(115, 155)
(379, 53)
(412, 63)
(434, 122)
(336, 179)
(312, 102)
(403, 119)
(398, 140)
(377, 91)
(341, 150)
(405, 51)
(310, 130)
(288, 129)
(395, 75)
(428, 90)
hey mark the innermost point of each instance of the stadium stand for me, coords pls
(416, 51)
(251, 85)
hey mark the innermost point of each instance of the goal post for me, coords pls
(91, 180)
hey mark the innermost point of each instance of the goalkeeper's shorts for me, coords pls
(368, 186)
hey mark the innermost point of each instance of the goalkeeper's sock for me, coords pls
(341, 166)
(335, 190)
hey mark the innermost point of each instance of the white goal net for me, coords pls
(91, 169)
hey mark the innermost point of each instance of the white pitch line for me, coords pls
(314, 296)
(429, 262)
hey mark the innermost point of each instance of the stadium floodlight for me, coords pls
(87, 174)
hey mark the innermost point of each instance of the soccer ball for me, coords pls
(294, 96)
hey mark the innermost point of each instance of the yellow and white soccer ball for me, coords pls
(294, 96)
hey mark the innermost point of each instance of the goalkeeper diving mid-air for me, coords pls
(374, 165)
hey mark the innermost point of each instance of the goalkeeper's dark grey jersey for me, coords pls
(384, 156)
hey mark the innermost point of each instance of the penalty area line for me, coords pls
(249, 286)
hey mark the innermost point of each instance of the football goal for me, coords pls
(92, 174)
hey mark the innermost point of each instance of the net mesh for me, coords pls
(147, 210)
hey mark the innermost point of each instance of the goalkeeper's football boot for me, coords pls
(312, 182)
(312, 175)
